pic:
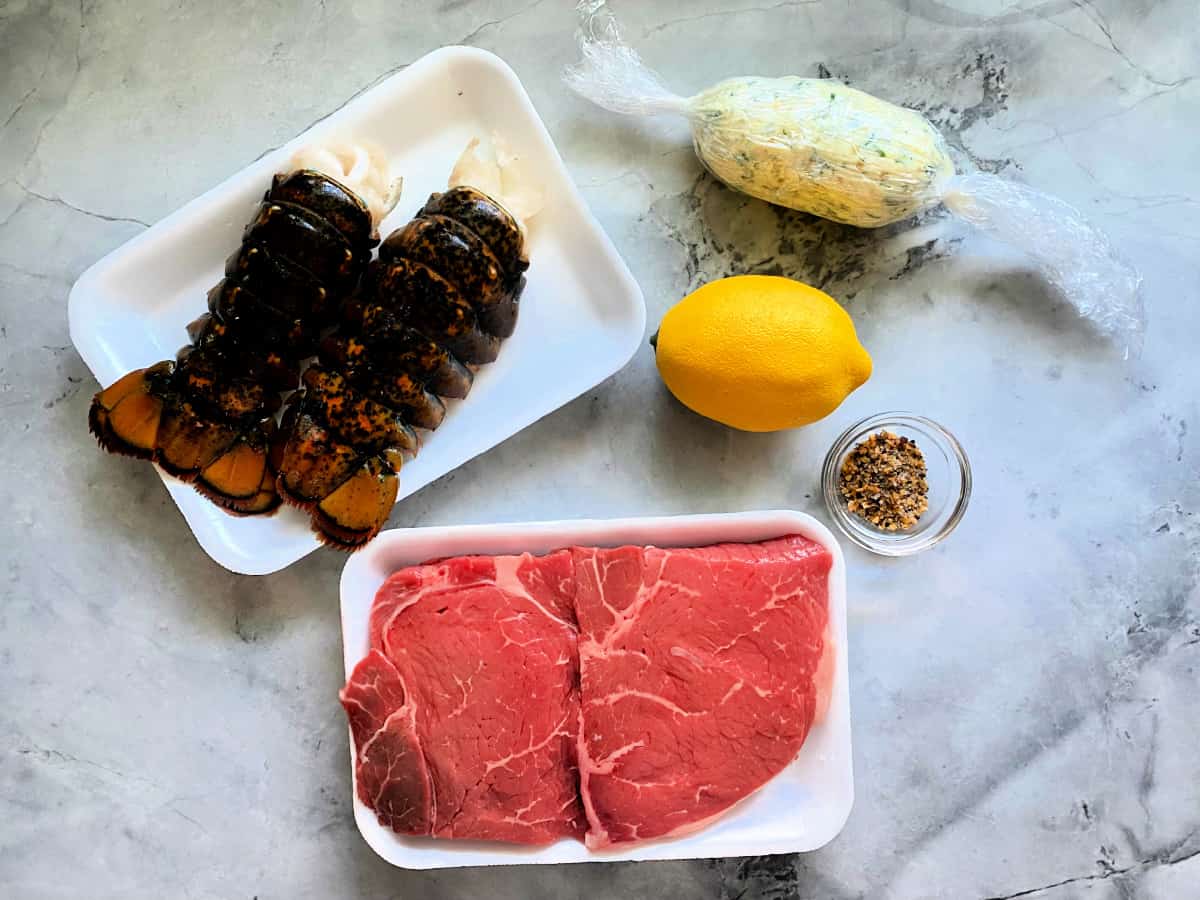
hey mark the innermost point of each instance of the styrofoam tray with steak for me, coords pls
(656, 688)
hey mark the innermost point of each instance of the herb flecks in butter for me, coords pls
(823, 148)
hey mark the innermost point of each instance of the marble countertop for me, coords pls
(1025, 703)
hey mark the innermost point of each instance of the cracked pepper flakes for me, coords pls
(883, 481)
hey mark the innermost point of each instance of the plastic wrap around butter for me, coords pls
(819, 146)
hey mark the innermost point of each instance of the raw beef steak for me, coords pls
(466, 710)
(698, 678)
(607, 695)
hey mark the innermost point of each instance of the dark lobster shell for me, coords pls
(208, 418)
(409, 291)
(441, 297)
(329, 199)
(288, 287)
(488, 219)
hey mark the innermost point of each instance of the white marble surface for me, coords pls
(1026, 713)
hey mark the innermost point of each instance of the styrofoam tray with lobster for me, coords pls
(800, 809)
(582, 313)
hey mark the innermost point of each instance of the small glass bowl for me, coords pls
(948, 474)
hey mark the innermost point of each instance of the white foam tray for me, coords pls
(801, 809)
(582, 314)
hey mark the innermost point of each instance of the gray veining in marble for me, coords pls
(1026, 712)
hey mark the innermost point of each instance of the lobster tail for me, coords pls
(409, 329)
(441, 297)
(208, 418)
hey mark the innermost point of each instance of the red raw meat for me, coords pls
(392, 776)
(486, 671)
(698, 678)
(607, 695)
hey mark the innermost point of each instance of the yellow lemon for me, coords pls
(760, 353)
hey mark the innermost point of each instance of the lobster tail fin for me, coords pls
(355, 511)
(189, 440)
(125, 416)
(240, 480)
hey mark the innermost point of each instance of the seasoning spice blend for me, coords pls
(883, 481)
